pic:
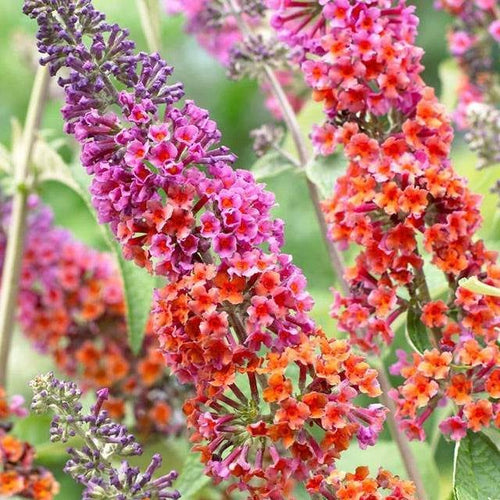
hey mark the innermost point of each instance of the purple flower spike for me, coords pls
(104, 443)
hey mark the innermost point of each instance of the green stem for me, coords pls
(425, 297)
(149, 22)
(15, 242)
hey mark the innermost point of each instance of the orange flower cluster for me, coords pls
(392, 193)
(469, 376)
(399, 197)
(71, 307)
(265, 417)
(360, 486)
(18, 474)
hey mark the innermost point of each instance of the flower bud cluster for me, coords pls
(483, 135)
(265, 138)
(93, 464)
(251, 56)
(216, 27)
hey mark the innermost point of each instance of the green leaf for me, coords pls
(476, 474)
(270, 165)
(449, 73)
(474, 285)
(323, 171)
(49, 166)
(191, 479)
(416, 332)
(34, 429)
(385, 454)
(139, 286)
(481, 182)
(137, 282)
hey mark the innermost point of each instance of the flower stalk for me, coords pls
(12, 265)
(149, 26)
(105, 443)
(398, 437)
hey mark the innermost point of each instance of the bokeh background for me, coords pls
(237, 107)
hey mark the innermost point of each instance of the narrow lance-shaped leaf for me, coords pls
(476, 286)
(191, 479)
(138, 283)
(271, 164)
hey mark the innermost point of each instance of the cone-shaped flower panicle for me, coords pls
(400, 200)
(272, 391)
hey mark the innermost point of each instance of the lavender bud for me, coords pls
(250, 57)
(104, 443)
(265, 138)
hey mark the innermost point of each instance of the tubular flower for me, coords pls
(296, 427)
(234, 318)
(360, 486)
(19, 476)
(217, 31)
(71, 307)
(468, 376)
(472, 40)
(400, 194)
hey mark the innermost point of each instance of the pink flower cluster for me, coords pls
(137, 161)
(362, 58)
(399, 197)
(71, 307)
(472, 39)
(179, 209)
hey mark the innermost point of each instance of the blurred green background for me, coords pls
(237, 107)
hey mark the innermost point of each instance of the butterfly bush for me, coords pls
(215, 26)
(71, 307)
(19, 476)
(275, 397)
(103, 443)
(403, 204)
